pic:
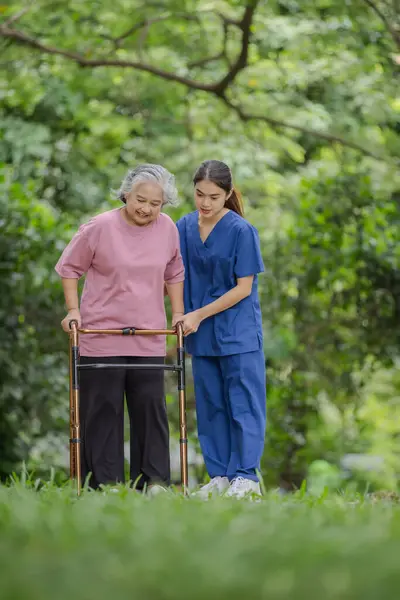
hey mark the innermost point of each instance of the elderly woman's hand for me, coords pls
(73, 315)
(177, 318)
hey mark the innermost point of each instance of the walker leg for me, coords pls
(74, 420)
(183, 442)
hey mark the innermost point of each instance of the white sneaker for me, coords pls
(241, 488)
(155, 489)
(217, 485)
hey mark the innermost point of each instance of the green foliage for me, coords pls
(33, 368)
(336, 285)
(129, 546)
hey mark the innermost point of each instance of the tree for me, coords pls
(96, 38)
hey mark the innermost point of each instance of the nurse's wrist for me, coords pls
(202, 313)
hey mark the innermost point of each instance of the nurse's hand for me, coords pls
(191, 322)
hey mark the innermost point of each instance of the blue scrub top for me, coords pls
(232, 250)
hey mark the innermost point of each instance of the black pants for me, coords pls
(102, 394)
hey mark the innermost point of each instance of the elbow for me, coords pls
(245, 286)
(175, 281)
(244, 293)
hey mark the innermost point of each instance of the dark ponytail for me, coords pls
(220, 174)
(235, 202)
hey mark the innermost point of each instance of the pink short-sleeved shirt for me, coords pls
(126, 267)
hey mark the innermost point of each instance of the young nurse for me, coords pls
(222, 322)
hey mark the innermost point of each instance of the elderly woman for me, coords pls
(129, 255)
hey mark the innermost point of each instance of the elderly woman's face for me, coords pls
(144, 203)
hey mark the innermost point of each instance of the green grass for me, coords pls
(54, 546)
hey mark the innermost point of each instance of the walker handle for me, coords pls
(73, 322)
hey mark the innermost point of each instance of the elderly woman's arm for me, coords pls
(174, 277)
(70, 287)
(73, 263)
(175, 293)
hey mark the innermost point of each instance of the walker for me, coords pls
(74, 367)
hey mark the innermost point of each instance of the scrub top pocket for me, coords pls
(237, 325)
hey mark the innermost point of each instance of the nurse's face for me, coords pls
(210, 199)
(143, 204)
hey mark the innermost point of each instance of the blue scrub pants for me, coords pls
(231, 412)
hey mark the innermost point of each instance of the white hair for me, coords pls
(150, 173)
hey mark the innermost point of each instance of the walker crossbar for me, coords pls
(75, 367)
(144, 367)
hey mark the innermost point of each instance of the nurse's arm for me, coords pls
(235, 295)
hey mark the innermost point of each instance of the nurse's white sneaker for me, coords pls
(243, 488)
(217, 486)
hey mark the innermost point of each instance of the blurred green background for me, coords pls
(301, 99)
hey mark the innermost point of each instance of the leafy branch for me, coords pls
(386, 21)
(222, 55)
(219, 88)
(147, 23)
(276, 123)
(17, 16)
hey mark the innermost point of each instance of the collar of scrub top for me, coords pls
(195, 230)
